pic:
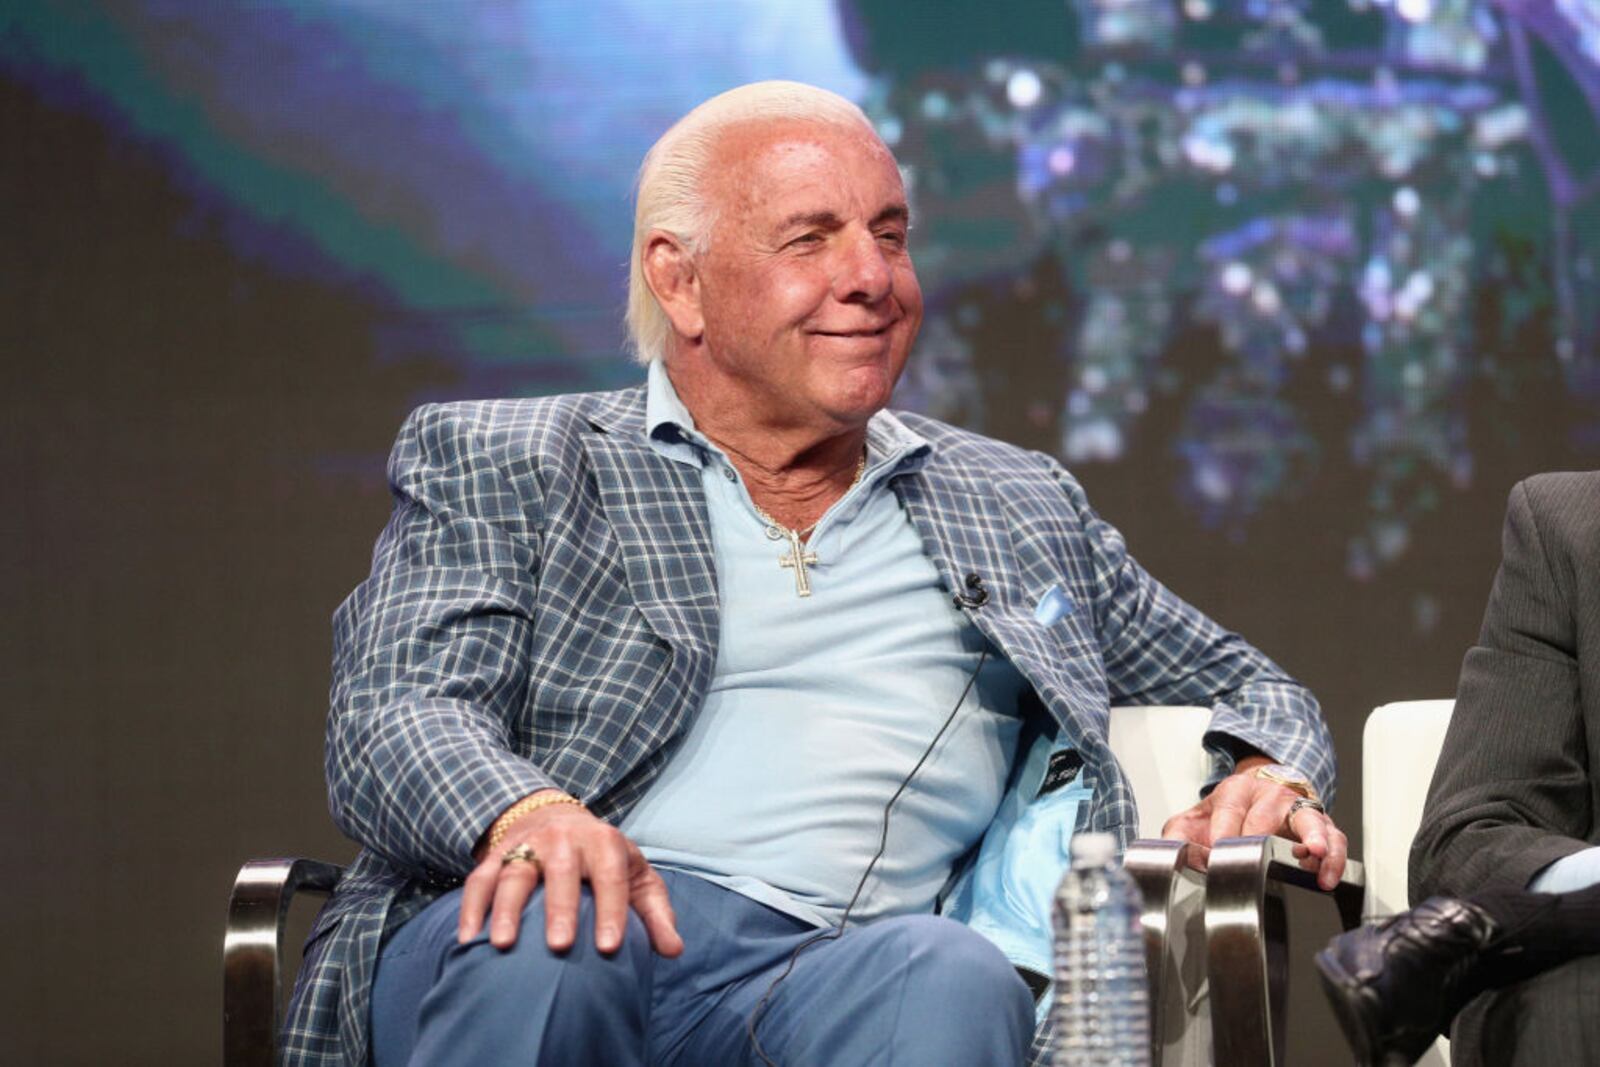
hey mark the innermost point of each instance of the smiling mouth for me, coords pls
(879, 332)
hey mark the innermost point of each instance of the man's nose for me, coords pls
(863, 275)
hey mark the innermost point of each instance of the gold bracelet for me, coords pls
(1289, 778)
(502, 826)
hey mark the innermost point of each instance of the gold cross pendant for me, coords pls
(798, 559)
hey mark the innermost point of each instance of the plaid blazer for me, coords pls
(542, 611)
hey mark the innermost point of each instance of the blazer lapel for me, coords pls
(966, 529)
(656, 509)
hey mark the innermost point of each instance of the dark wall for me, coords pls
(170, 571)
(196, 397)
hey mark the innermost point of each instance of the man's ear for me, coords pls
(670, 272)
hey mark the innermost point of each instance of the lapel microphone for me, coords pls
(974, 595)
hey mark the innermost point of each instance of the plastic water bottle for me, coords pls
(1101, 1013)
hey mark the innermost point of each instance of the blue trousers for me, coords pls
(917, 989)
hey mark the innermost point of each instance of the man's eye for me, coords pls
(897, 238)
(807, 239)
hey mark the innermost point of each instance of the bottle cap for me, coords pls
(1093, 850)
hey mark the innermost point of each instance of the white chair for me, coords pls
(1399, 749)
(1159, 750)
(1216, 944)
(1230, 938)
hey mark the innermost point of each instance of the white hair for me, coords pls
(670, 195)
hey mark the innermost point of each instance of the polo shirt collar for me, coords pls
(671, 430)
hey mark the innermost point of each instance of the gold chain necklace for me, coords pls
(797, 558)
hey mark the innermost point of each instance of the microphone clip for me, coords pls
(974, 595)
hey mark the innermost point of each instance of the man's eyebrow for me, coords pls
(893, 213)
(827, 220)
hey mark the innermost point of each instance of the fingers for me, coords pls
(572, 847)
(1229, 806)
(1338, 855)
(1307, 825)
(650, 900)
(607, 864)
(563, 888)
(514, 886)
(617, 873)
(497, 884)
(1189, 825)
(1336, 849)
(476, 896)
(1267, 813)
(1242, 805)
(1323, 847)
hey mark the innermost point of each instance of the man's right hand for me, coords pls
(572, 847)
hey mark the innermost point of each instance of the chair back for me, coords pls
(1399, 749)
(1159, 749)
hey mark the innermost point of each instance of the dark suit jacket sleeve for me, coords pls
(430, 656)
(1511, 793)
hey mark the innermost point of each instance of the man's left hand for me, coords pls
(1243, 805)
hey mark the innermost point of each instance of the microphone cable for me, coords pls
(835, 932)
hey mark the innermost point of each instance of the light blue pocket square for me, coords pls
(1055, 605)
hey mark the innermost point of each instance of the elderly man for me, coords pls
(723, 694)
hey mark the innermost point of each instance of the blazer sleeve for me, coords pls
(430, 655)
(1511, 791)
(1158, 649)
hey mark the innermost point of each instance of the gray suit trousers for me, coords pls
(1553, 1018)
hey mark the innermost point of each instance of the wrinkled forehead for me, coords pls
(760, 166)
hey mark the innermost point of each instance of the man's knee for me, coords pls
(926, 986)
(580, 973)
(577, 1006)
(439, 1002)
(950, 961)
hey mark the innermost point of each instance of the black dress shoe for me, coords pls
(1395, 986)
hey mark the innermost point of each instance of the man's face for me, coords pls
(809, 299)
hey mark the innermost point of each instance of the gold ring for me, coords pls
(522, 853)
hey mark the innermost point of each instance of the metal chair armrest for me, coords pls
(1247, 942)
(1159, 868)
(252, 983)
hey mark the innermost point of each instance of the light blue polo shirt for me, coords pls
(821, 705)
